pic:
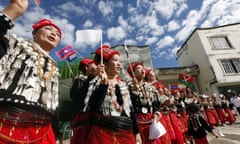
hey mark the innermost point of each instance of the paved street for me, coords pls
(231, 132)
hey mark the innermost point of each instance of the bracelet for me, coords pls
(7, 20)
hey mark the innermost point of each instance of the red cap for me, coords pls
(84, 62)
(147, 71)
(159, 85)
(133, 65)
(45, 22)
(107, 52)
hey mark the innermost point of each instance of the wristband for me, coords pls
(7, 20)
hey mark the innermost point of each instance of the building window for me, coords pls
(220, 42)
(231, 65)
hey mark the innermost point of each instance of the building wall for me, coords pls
(199, 50)
(136, 54)
(194, 53)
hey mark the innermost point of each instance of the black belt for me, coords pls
(110, 122)
(143, 109)
(23, 117)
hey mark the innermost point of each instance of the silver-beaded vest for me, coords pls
(27, 71)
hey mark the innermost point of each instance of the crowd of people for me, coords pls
(107, 109)
(130, 106)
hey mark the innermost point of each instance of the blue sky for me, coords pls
(163, 25)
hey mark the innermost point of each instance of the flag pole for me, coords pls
(126, 51)
(69, 67)
(79, 54)
(101, 47)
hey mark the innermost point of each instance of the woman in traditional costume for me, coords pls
(29, 80)
(197, 126)
(225, 105)
(110, 102)
(80, 92)
(145, 101)
(219, 109)
(150, 77)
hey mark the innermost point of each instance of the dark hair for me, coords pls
(97, 59)
(192, 108)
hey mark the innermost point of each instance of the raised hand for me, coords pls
(102, 73)
(16, 8)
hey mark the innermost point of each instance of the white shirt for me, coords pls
(236, 101)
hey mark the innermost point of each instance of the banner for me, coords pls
(71, 57)
(66, 52)
(185, 79)
(88, 36)
(176, 86)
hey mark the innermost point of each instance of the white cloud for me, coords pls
(151, 40)
(69, 8)
(165, 8)
(193, 19)
(166, 41)
(160, 54)
(182, 7)
(88, 23)
(140, 37)
(131, 42)
(105, 8)
(223, 12)
(123, 22)
(188, 24)
(146, 25)
(173, 25)
(116, 33)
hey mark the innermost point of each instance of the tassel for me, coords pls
(45, 97)
(119, 95)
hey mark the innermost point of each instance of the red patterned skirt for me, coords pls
(18, 127)
(230, 116)
(92, 128)
(177, 125)
(169, 126)
(144, 121)
(211, 118)
(166, 139)
(221, 115)
(102, 135)
(81, 132)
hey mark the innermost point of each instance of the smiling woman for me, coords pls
(29, 80)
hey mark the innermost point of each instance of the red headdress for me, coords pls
(107, 52)
(45, 22)
(84, 62)
(148, 71)
(132, 67)
(159, 85)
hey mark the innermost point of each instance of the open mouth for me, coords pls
(51, 38)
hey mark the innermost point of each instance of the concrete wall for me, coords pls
(199, 50)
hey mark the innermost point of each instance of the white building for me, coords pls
(216, 51)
